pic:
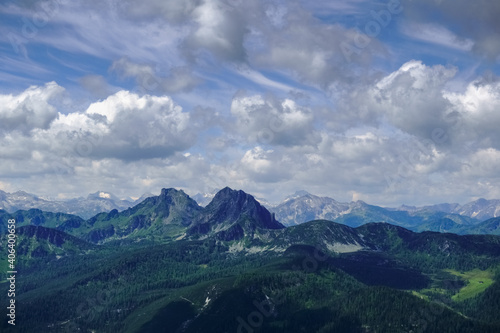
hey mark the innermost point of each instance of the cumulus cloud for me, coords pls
(273, 121)
(30, 109)
(417, 100)
(218, 30)
(406, 131)
(266, 166)
(137, 127)
(412, 98)
(478, 108)
(124, 126)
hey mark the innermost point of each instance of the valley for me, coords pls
(169, 265)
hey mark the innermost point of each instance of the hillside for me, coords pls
(169, 265)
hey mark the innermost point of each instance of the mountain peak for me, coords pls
(297, 194)
(227, 191)
(301, 193)
(232, 214)
(170, 191)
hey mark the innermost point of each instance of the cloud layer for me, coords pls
(364, 100)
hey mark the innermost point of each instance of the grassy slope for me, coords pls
(477, 282)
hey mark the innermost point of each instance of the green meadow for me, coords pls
(477, 282)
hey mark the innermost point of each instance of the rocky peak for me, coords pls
(231, 205)
(233, 214)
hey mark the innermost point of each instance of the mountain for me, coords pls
(489, 227)
(84, 207)
(204, 199)
(480, 209)
(143, 197)
(303, 207)
(36, 217)
(159, 217)
(327, 236)
(295, 209)
(318, 276)
(173, 214)
(40, 242)
(232, 215)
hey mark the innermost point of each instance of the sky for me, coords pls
(389, 102)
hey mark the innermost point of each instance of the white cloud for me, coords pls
(437, 34)
(479, 116)
(180, 79)
(124, 126)
(264, 166)
(30, 109)
(358, 125)
(412, 98)
(272, 121)
(140, 126)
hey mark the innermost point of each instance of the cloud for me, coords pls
(30, 109)
(219, 30)
(137, 127)
(370, 119)
(124, 126)
(478, 108)
(96, 85)
(437, 34)
(412, 98)
(264, 166)
(311, 50)
(418, 100)
(181, 79)
(172, 10)
(273, 121)
(476, 21)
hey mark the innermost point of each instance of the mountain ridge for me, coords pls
(322, 207)
(195, 261)
(303, 207)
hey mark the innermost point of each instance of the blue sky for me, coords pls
(390, 102)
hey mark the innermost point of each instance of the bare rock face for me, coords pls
(232, 215)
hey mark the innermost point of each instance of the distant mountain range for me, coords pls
(302, 207)
(470, 218)
(84, 207)
(232, 217)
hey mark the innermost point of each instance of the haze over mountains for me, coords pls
(84, 207)
(308, 206)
